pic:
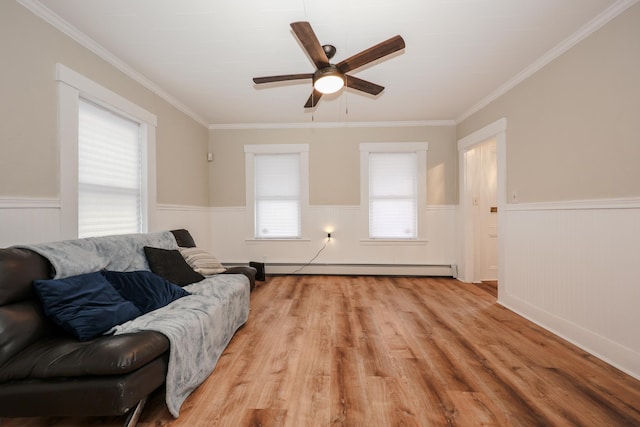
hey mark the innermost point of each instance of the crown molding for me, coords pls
(46, 14)
(240, 126)
(583, 32)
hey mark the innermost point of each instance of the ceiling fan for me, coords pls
(330, 78)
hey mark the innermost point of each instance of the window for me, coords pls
(277, 197)
(393, 194)
(109, 173)
(107, 160)
(277, 189)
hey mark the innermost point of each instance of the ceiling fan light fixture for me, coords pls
(328, 80)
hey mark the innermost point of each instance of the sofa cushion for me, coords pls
(202, 261)
(169, 264)
(146, 290)
(86, 305)
(63, 356)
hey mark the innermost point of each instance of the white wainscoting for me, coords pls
(29, 220)
(574, 268)
(345, 253)
(196, 219)
(223, 231)
(32, 220)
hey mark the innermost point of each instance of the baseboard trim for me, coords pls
(355, 269)
(604, 349)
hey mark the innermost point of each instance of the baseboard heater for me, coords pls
(358, 269)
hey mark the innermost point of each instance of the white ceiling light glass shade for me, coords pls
(328, 80)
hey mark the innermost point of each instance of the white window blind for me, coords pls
(109, 173)
(277, 196)
(393, 195)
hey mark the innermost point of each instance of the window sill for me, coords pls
(258, 241)
(395, 242)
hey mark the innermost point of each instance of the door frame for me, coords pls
(465, 252)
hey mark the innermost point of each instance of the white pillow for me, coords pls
(202, 261)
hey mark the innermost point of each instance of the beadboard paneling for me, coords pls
(30, 220)
(196, 219)
(232, 241)
(25, 221)
(573, 268)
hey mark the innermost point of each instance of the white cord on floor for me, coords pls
(312, 259)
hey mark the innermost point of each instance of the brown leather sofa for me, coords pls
(45, 372)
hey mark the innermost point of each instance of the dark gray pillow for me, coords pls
(184, 239)
(170, 264)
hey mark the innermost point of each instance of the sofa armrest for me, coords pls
(250, 272)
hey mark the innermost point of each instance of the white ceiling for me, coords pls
(202, 54)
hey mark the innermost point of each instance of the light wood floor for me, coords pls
(380, 351)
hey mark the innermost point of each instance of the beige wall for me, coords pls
(29, 50)
(334, 161)
(573, 128)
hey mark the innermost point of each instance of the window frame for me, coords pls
(250, 153)
(71, 87)
(420, 149)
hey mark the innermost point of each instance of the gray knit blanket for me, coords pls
(117, 253)
(199, 326)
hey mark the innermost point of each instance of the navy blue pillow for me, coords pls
(85, 306)
(146, 290)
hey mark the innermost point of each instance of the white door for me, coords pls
(485, 208)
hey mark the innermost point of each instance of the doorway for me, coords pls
(482, 165)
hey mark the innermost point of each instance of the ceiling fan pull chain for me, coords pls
(346, 104)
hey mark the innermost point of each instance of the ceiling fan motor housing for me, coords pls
(329, 50)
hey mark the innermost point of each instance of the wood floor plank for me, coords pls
(392, 351)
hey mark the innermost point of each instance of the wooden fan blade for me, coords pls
(385, 48)
(285, 77)
(313, 99)
(363, 85)
(310, 42)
